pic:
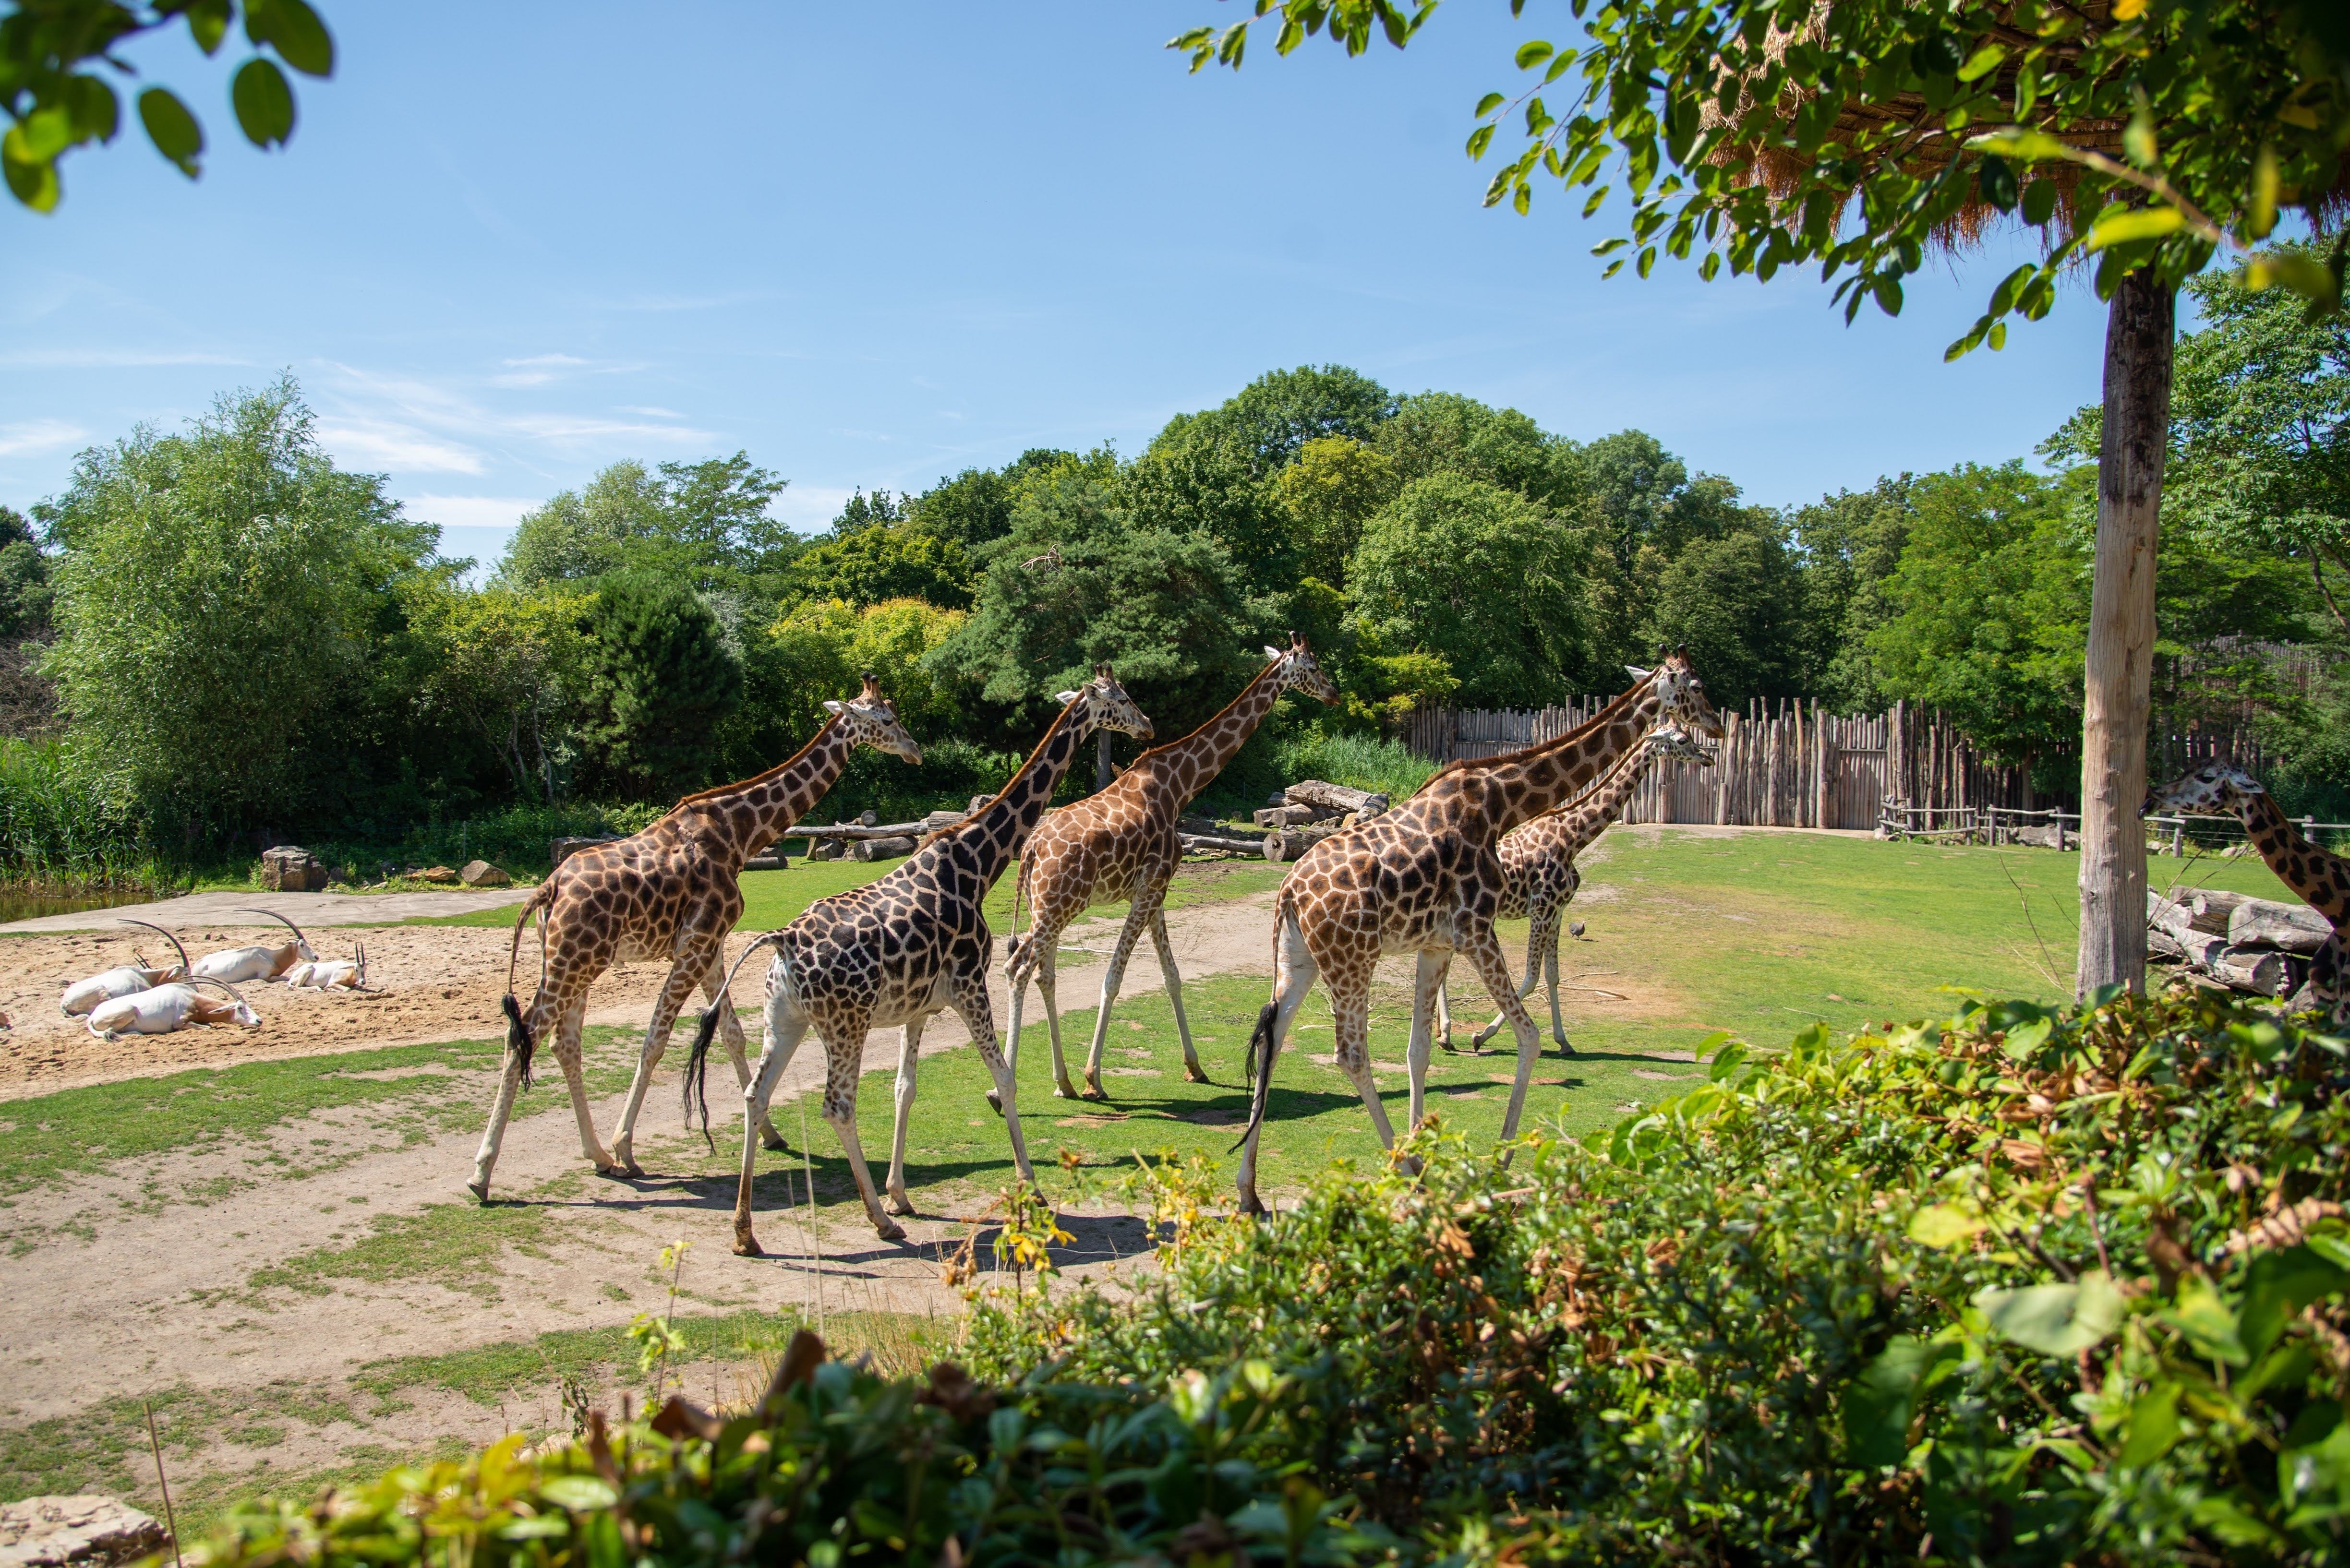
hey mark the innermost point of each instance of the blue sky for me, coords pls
(873, 244)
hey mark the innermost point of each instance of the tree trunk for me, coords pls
(1104, 774)
(2120, 662)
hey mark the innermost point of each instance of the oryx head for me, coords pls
(1104, 705)
(872, 720)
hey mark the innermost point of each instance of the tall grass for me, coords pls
(55, 832)
(1359, 761)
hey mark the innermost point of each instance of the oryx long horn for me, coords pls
(224, 986)
(168, 936)
(281, 920)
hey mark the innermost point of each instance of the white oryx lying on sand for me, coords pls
(235, 964)
(168, 1009)
(128, 980)
(331, 974)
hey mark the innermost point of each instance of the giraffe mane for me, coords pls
(758, 778)
(1142, 757)
(1607, 715)
(1042, 741)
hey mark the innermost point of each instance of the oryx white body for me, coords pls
(129, 980)
(235, 965)
(166, 1010)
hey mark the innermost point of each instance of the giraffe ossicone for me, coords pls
(1425, 877)
(896, 951)
(1124, 842)
(670, 892)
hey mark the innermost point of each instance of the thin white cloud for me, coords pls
(648, 413)
(469, 511)
(369, 443)
(546, 360)
(807, 508)
(33, 437)
(108, 358)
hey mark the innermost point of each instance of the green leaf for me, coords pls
(580, 1494)
(2020, 147)
(97, 112)
(1479, 139)
(1709, 266)
(2277, 1285)
(1558, 66)
(1998, 335)
(2055, 1320)
(1982, 62)
(2039, 202)
(1942, 1226)
(1592, 206)
(1888, 289)
(2023, 1042)
(2264, 194)
(2315, 1479)
(2138, 140)
(1533, 53)
(1935, 55)
(42, 134)
(1996, 180)
(2120, 225)
(2207, 1323)
(2151, 1428)
(172, 130)
(33, 181)
(1490, 102)
(2313, 280)
(208, 23)
(264, 104)
(1879, 1403)
(294, 30)
(1647, 261)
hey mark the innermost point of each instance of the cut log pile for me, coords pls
(2248, 944)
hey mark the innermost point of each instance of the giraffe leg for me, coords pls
(1350, 1014)
(1191, 1068)
(1047, 981)
(785, 1025)
(730, 1030)
(544, 1008)
(1138, 917)
(1484, 950)
(673, 993)
(1550, 972)
(1444, 1016)
(1027, 962)
(574, 1078)
(967, 995)
(1294, 970)
(843, 1058)
(1533, 970)
(1427, 991)
(909, 1052)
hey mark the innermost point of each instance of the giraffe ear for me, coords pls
(1271, 652)
(835, 708)
(1636, 672)
(1065, 698)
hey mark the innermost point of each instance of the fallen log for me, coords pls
(1294, 815)
(853, 831)
(2164, 948)
(1208, 828)
(2172, 918)
(1211, 843)
(2212, 905)
(2267, 922)
(1292, 842)
(2265, 974)
(1336, 797)
(881, 848)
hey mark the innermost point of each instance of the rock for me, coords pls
(561, 849)
(482, 874)
(435, 874)
(51, 1532)
(881, 848)
(290, 868)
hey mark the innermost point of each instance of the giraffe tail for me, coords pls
(518, 1039)
(1259, 1057)
(697, 1065)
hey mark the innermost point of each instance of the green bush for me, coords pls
(1359, 761)
(56, 829)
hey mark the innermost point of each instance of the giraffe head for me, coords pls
(1106, 706)
(872, 720)
(1681, 695)
(1669, 742)
(2215, 789)
(1301, 672)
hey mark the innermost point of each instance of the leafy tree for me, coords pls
(1737, 601)
(977, 505)
(1207, 481)
(660, 682)
(508, 668)
(56, 104)
(25, 588)
(1078, 582)
(1851, 543)
(1836, 140)
(1482, 577)
(1444, 432)
(884, 561)
(861, 511)
(1334, 483)
(218, 601)
(707, 522)
(1281, 410)
(893, 640)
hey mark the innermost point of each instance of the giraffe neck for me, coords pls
(742, 819)
(1179, 769)
(1589, 817)
(2320, 877)
(998, 829)
(1534, 781)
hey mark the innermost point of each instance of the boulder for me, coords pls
(482, 874)
(435, 874)
(290, 868)
(98, 1531)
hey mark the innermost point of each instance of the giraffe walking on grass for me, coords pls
(1539, 878)
(1425, 878)
(670, 892)
(896, 951)
(2319, 877)
(1123, 843)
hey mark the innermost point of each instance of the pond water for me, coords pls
(23, 904)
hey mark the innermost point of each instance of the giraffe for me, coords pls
(669, 891)
(1122, 843)
(2320, 877)
(1539, 878)
(896, 951)
(1424, 879)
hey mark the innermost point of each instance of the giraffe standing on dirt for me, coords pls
(1539, 878)
(1123, 843)
(2320, 877)
(1426, 877)
(896, 952)
(670, 892)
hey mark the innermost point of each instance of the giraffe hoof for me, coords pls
(1092, 1091)
(889, 1230)
(1250, 1203)
(995, 1102)
(1194, 1073)
(613, 1172)
(775, 1145)
(480, 1189)
(900, 1204)
(632, 1170)
(747, 1245)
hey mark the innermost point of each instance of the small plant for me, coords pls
(1175, 1193)
(1030, 1231)
(656, 1337)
